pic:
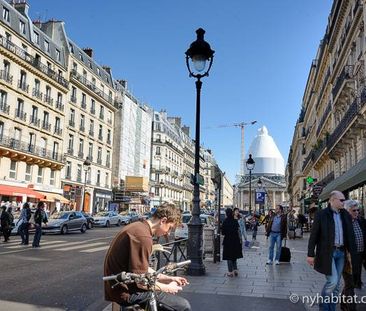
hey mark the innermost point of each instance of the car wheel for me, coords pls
(118, 223)
(107, 224)
(90, 225)
(83, 228)
(64, 230)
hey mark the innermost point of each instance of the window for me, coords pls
(47, 46)
(107, 180)
(23, 79)
(83, 101)
(79, 172)
(55, 151)
(90, 65)
(98, 71)
(52, 177)
(101, 113)
(68, 169)
(22, 27)
(58, 55)
(6, 15)
(20, 108)
(90, 152)
(1, 130)
(81, 148)
(6, 67)
(59, 98)
(92, 107)
(57, 124)
(3, 99)
(109, 136)
(72, 117)
(37, 87)
(71, 48)
(34, 116)
(13, 169)
(98, 177)
(81, 56)
(99, 154)
(32, 142)
(8, 36)
(17, 134)
(75, 66)
(28, 172)
(43, 146)
(108, 160)
(82, 122)
(91, 128)
(157, 150)
(40, 175)
(36, 37)
(71, 142)
(100, 135)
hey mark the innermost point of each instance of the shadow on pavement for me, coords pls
(213, 302)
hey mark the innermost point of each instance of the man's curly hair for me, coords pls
(170, 211)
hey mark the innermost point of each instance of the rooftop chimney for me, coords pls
(107, 69)
(21, 6)
(89, 52)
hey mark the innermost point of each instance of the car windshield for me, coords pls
(102, 214)
(59, 215)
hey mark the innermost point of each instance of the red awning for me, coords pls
(20, 191)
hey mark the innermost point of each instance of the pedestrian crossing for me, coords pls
(86, 246)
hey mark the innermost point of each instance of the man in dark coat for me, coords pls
(330, 236)
(276, 231)
(5, 223)
(232, 246)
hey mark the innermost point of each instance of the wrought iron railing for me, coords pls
(4, 75)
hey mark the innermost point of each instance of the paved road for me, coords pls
(65, 273)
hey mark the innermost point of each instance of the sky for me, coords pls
(263, 52)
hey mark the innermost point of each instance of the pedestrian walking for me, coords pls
(232, 248)
(255, 223)
(40, 218)
(359, 229)
(276, 231)
(331, 235)
(24, 217)
(5, 221)
(241, 222)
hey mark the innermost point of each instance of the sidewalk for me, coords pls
(258, 286)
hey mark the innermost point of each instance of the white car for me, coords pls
(125, 219)
(107, 218)
(181, 232)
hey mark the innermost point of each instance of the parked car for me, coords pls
(181, 232)
(107, 218)
(89, 219)
(64, 222)
(134, 216)
(125, 219)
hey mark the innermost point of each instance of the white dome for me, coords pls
(267, 157)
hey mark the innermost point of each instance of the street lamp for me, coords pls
(250, 166)
(200, 56)
(86, 166)
(161, 184)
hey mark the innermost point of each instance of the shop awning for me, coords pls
(352, 178)
(53, 197)
(20, 191)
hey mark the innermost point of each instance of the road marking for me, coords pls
(43, 243)
(78, 246)
(97, 249)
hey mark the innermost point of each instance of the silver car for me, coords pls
(64, 222)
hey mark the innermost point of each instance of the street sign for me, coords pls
(200, 180)
(260, 197)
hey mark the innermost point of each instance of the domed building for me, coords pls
(268, 185)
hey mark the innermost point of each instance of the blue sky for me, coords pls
(263, 51)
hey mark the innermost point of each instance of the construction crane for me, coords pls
(242, 126)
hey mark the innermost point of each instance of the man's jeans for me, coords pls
(232, 265)
(165, 301)
(24, 232)
(274, 238)
(331, 287)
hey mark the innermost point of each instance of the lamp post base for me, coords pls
(194, 249)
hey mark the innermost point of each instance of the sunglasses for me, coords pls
(355, 210)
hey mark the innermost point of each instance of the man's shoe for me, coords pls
(277, 262)
(269, 262)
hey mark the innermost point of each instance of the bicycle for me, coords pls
(145, 279)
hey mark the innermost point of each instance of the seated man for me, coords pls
(130, 251)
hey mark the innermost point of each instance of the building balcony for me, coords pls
(97, 183)
(20, 114)
(68, 176)
(82, 128)
(78, 178)
(99, 161)
(92, 110)
(90, 86)
(70, 151)
(81, 154)
(90, 157)
(37, 94)
(109, 121)
(58, 131)
(73, 99)
(108, 164)
(48, 100)
(34, 62)
(324, 118)
(22, 85)
(4, 108)
(100, 137)
(91, 133)
(109, 142)
(83, 105)
(5, 76)
(46, 126)
(60, 106)
(19, 150)
(35, 121)
(72, 123)
(342, 80)
(101, 116)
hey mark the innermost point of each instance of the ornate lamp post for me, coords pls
(250, 166)
(86, 166)
(200, 56)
